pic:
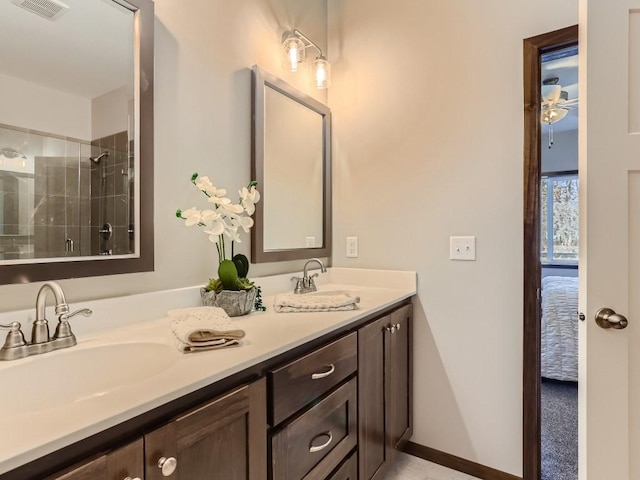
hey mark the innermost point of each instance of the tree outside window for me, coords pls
(559, 219)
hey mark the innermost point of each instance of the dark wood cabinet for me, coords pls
(119, 464)
(304, 379)
(338, 409)
(348, 470)
(226, 438)
(400, 359)
(313, 445)
(384, 391)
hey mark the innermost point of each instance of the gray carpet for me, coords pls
(559, 430)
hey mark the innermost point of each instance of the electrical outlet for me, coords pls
(310, 242)
(462, 248)
(352, 247)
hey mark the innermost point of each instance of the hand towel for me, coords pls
(203, 328)
(290, 302)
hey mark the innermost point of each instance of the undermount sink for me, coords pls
(78, 374)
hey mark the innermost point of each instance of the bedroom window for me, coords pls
(559, 219)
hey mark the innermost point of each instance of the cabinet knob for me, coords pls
(129, 478)
(391, 328)
(167, 465)
(397, 325)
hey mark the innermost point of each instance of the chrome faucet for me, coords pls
(15, 345)
(306, 284)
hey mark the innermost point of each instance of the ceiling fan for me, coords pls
(555, 104)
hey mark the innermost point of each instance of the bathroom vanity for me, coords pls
(308, 396)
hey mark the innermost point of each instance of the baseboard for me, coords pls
(456, 463)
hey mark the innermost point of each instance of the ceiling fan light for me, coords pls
(553, 115)
(551, 93)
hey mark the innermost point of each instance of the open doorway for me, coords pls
(559, 228)
(550, 255)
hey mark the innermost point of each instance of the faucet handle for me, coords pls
(311, 285)
(15, 337)
(300, 284)
(85, 312)
(63, 330)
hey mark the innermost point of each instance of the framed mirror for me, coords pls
(292, 164)
(76, 138)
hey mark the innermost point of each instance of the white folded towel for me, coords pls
(203, 328)
(290, 302)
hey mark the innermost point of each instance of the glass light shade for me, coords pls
(294, 52)
(551, 93)
(322, 73)
(553, 115)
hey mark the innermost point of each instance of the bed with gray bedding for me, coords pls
(559, 328)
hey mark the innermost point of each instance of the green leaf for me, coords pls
(242, 264)
(179, 213)
(228, 274)
(194, 177)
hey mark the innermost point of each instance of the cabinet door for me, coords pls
(399, 359)
(125, 462)
(385, 390)
(373, 341)
(226, 438)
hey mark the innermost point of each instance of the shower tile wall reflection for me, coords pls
(111, 207)
(56, 202)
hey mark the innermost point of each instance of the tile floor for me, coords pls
(409, 467)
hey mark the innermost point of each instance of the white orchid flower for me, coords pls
(232, 233)
(224, 219)
(249, 198)
(219, 200)
(192, 216)
(209, 215)
(204, 184)
(231, 208)
(215, 228)
(243, 222)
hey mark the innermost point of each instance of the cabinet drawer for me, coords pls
(348, 470)
(296, 384)
(314, 444)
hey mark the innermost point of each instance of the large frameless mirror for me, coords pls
(76, 138)
(292, 164)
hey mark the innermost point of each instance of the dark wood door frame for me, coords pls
(534, 47)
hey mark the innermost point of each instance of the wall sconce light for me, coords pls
(295, 45)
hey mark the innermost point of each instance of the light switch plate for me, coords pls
(352, 247)
(462, 248)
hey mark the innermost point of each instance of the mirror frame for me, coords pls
(260, 80)
(143, 11)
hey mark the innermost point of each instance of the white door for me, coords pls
(609, 379)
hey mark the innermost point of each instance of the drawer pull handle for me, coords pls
(318, 376)
(313, 449)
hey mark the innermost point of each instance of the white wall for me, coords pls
(22, 106)
(428, 127)
(204, 52)
(563, 155)
(110, 113)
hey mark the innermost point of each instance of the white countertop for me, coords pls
(28, 435)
